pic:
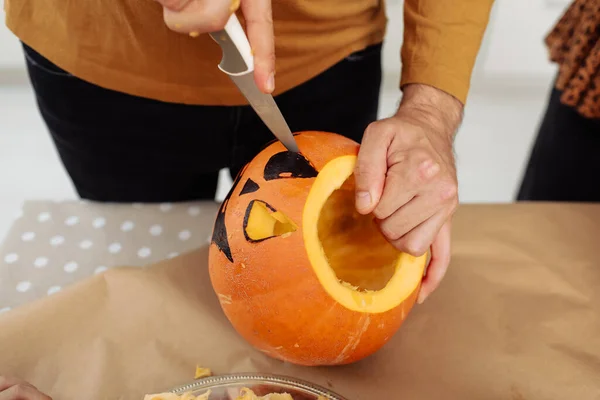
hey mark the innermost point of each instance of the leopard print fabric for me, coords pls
(573, 44)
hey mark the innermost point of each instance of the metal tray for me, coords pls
(227, 387)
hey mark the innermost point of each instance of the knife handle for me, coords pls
(237, 53)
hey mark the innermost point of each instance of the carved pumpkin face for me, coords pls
(281, 165)
(298, 272)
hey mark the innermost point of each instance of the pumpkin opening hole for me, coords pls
(355, 249)
(263, 222)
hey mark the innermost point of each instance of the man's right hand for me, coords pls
(196, 17)
(16, 389)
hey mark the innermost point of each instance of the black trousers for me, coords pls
(121, 148)
(564, 163)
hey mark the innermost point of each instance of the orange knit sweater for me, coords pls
(124, 45)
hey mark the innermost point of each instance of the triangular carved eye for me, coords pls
(262, 222)
(288, 164)
(249, 187)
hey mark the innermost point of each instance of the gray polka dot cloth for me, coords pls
(54, 244)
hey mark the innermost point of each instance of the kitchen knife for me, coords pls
(238, 63)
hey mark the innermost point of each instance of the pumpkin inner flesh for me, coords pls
(354, 247)
(263, 223)
(347, 252)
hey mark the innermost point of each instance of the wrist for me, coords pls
(432, 106)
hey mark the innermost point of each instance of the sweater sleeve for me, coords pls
(441, 42)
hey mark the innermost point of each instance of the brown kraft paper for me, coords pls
(516, 317)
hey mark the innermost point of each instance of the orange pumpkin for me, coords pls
(298, 272)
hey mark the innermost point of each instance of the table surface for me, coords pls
(517, 315)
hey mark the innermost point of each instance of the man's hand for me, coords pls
(406, 176)
(16, 389)
(203, 16)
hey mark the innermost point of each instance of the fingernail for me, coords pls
(421, 299)
(271, 83)
(363, 200)
(194, 34)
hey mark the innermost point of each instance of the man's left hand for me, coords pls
(406, 176)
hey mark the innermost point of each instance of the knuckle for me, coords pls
(380, 213)
(371, 129)
(379, 129)
(389, 231)
(448, 190)
(388, 132)
(422, 139)
(414, 247)
(266, 18)
(265, 57)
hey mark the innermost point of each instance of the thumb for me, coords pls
(371, 168)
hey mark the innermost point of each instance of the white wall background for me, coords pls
(512, 53)
(515, 45)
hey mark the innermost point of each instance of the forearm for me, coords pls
(441, 42)
(437, 109)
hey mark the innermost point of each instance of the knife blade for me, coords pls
(238, 64)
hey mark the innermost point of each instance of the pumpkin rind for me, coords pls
(268, 289)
